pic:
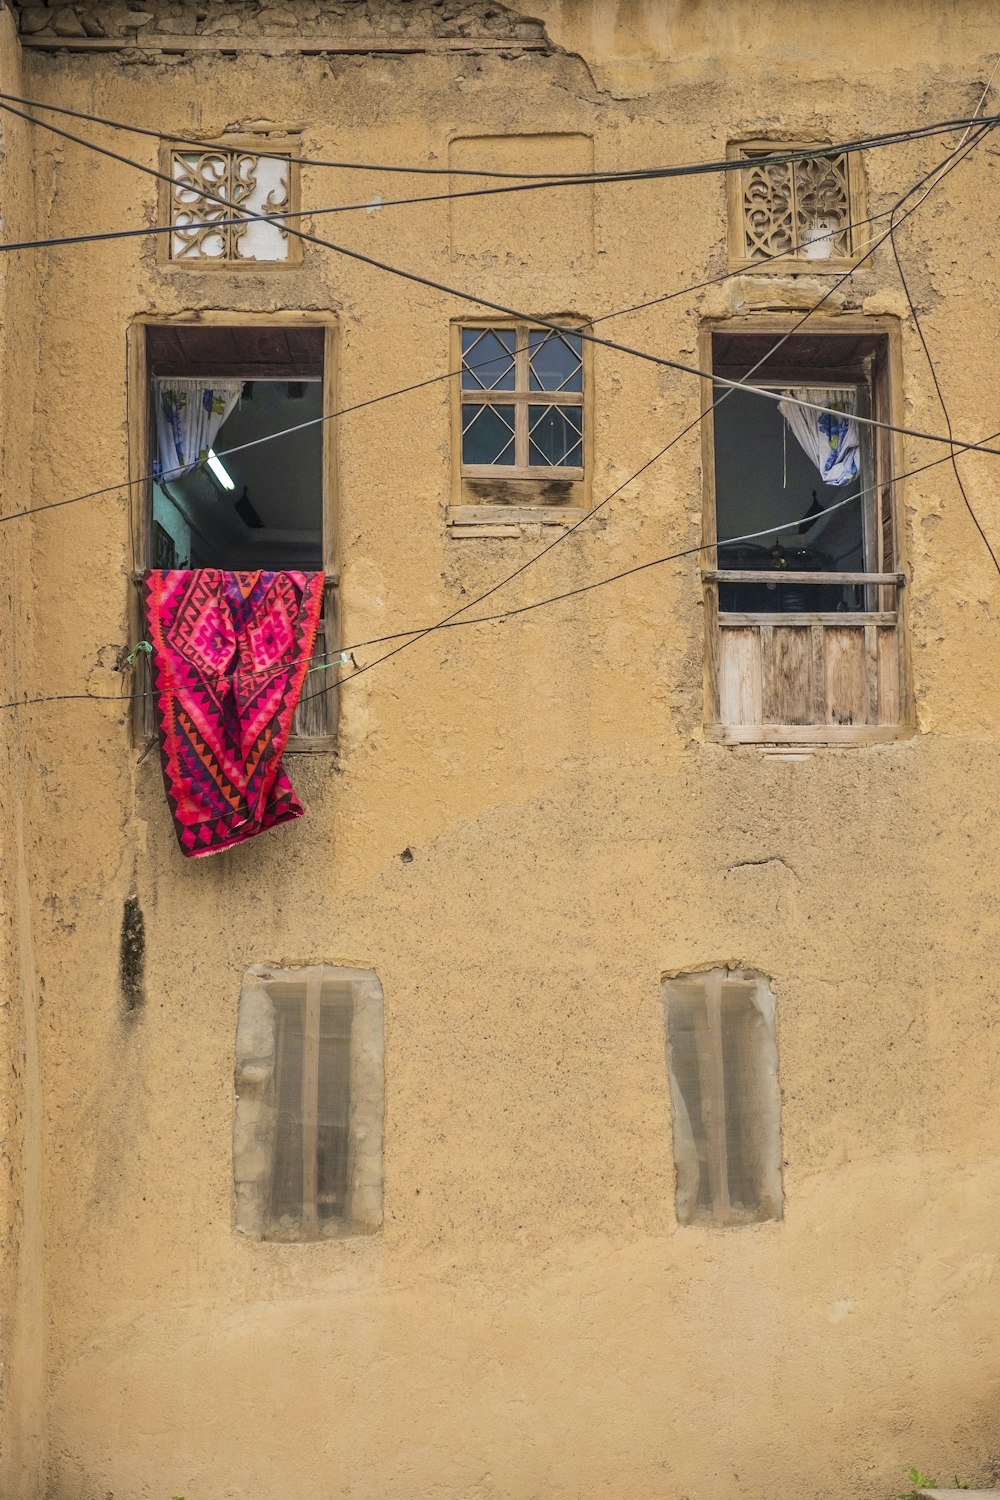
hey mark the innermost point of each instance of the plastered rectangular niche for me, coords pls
(307, 1133)
(722, 1057)
(545, 230)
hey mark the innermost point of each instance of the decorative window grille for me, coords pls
(242, 179)
(307, 1143)
(805, 210)
(522, 402)
(723, 1062)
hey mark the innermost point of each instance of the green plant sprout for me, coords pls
(921, 1481)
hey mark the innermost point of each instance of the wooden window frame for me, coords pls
(278, 146)
(888, 702)
(792, 263)
(508, 496)
(141, 440)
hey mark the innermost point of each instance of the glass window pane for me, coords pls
(488, 359)
(556, 436)
(556, 360)
(487, 434)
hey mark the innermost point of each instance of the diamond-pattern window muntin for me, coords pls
(555, 360)
(556, 436)
(794, 211)
(488, 359)
(488, 434)
(535, 428)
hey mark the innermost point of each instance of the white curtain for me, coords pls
(830, 438)
(189, 413)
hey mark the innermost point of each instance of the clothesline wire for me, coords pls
(128, 484)
(654, 562)
(545, 179)
(479, 301)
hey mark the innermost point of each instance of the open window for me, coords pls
(228, 418)
(802, 591)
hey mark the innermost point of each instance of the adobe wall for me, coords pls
(22, 1328)
(531, 1320)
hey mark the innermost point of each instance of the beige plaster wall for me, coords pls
(22, 1326)
(531, 1320)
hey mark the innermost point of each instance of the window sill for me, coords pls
(311, 744)
(831, 735)
(795, 266)
(508, 520)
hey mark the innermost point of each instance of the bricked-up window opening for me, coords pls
(723, 1063)
(803, 616)
(798, 214)
(309, 1079)
(313, 1107)
(242, 176)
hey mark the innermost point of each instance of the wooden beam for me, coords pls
(276, 45)
(790, 575)
(730, 619)
(805, 734)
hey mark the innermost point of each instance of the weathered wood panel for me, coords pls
(818, 678)
(316, 715)
(786, 674)
(740, 698)
(889, 699)
(846, 682)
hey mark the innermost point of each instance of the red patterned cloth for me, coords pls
(230, 652)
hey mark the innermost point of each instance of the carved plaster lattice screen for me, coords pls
(209, 187)
(796, 210)
(723, 1061)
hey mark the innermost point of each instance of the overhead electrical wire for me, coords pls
(927, 353)
(937, 173)
(102, 236)
(686, 169)
(949, 162)
(452, 624)
(940, 395)
(451, 621)
(127, 484)
(479, 301)
(941, 401)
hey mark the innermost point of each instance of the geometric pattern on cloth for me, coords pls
(230, 653)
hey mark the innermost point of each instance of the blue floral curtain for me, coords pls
(189, 413)
(830, 438)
